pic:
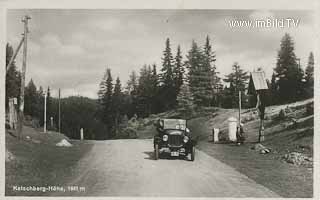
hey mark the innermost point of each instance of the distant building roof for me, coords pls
(257, 82)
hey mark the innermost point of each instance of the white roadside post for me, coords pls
(81, 133)
(232, 129)
(216, 135)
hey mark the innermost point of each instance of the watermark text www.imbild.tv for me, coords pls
(264, 23)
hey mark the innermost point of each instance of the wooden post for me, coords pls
(59, 122)
(239, 108)
(261, 130)
(45, 113)
(23, 74)
(51, 123)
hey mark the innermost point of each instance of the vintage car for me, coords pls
(173, 138)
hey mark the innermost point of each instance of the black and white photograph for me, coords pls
(112, 102)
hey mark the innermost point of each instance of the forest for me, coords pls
(182, 82)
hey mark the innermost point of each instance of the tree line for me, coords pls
(184, 83)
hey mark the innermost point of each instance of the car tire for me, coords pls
(156, 152)
(193, 152)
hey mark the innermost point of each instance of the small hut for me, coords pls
(257, 82)
(258, 86)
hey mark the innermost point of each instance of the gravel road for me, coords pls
(127, 168)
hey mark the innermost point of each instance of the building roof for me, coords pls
(257, 82)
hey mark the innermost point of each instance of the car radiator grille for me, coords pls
(175, 140)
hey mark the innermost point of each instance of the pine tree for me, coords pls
(238, 80)
(117, 104)
(185, 102)
(102, 88)
(178, 70)
(199, 76)
(31, 106)
(274, 89)
(288, 72)
(167, 66)
(106, 91)
(210, 68)
(145, 91)
(132, 83)
(13, 77)
(309, 76)
(155, 90)
(168, 90)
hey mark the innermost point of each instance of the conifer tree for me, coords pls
(288, 72)
(132, 83)
(168, 90)
(117, 104)
(154, 90)
(31, 105)
(13, 78)
(309, 76)
(105, 92)
(199, 76)
(185, 102)
(238, 80)
(210, 68)
(178, 70)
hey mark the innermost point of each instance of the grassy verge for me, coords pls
(38, 162)
(270, 170)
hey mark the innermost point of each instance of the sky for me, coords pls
(71, 48)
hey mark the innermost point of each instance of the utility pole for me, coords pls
(45, 113)
(23, 74)
(239, 108)
(59, 112)
(15, 54)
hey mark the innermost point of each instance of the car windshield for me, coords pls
(174, 124)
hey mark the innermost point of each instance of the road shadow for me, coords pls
(150, 155)
(165, 156)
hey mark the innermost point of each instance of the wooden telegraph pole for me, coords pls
(59, 112)
(15, 54)
(23, 74)
(239, 108)
(45, 113)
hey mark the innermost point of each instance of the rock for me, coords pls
(64, 143)
(9, 156)
(260, 148)
(36, 141)
(295, 158)
(310, 159)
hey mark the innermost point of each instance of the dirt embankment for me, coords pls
(35, 160)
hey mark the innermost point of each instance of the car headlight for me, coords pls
(165, 137)
(185, 139)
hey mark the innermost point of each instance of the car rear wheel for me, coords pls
(156, 152)
(193, 152)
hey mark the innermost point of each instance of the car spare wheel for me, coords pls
(193, 152)
(156, 152)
